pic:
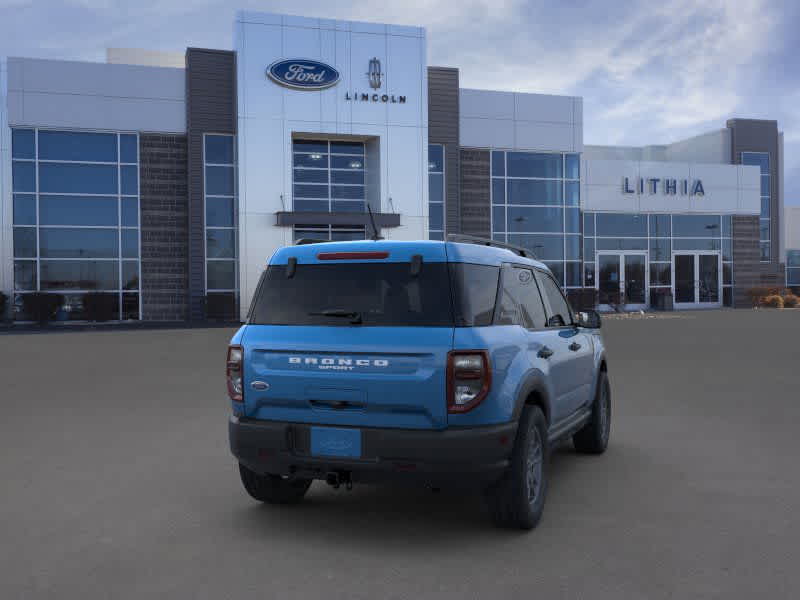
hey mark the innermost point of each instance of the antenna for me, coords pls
(375, 235)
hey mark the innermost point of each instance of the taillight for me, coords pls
(469, 377)
(233, 373)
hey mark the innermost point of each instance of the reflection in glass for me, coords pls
(80, 275)
(57, 242)
(67, 178)
(77, 210)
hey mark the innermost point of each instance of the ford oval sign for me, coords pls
(303, 74)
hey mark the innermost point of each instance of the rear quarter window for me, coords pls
(474, 293)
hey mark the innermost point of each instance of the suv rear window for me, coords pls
(380, 294)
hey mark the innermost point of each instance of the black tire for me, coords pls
(593, 437)
(273, 489)
(517, 500)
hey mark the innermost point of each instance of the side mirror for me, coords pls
(589, 319)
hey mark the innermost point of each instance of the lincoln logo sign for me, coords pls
(302, 74)
(669, 187)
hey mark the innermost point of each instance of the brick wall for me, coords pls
(165, 227)
(746, 266)
(475, 198)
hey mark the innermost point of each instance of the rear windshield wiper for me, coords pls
(354, 316)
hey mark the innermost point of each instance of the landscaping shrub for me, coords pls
(790, 301)
(41, 306)
(773, 301)
(99, 306)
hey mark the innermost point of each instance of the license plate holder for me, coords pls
(336, 442)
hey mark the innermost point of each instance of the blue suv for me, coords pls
(440, 362)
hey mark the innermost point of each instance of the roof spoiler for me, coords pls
(471, 239)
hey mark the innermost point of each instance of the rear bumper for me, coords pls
(463, 455)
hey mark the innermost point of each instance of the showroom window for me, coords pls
(793, 268)
(328, 176)
(221, 226)
(536, 204)
(761, 160)
(436, 191)
(76, 221)
(659, 235)
(329, 233)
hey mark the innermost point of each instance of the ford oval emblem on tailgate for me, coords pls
(259, 385)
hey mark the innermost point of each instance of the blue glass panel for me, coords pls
(765, 208)
(727, 249)
(660, 249)
(588, 249)
(78, 243)
(499, 237)
(219, 212)
(588, 274)
(23, 176)
(727, 226)
(130, 307)
(765, 251)
(310, 191)
(531, 164)
(528, 191)
(545, 247)
(130, 243)
(130, 274)
(660, 226)
(765, 185)
(696, 225)
(558, 271)
(358, 177)
(24, 209)
(436, 216)
(535, 220)
(621, 244)
(793, 277)
(572, 246)
(219, 149)
(348, 206)
(344, 236)
(347, 192)
(573, 166)
(220, 243)
(130, 212)
(572, 220)
(759, 159)
(793, 258)
(221, 274)
(435, 158)
(436, 187)
(572, 191)
(79, 275)
(129, 180)
(498, 218)
(498, 191)
(573, 274)
(311, 175)
(311, 205)
(25, 275)
(310, 234)
(317, 161)
(77, 210)
(219, 181)
(25, 242)
(128, 148)
(624, 225)
(80, 146)
(588, 224)
(727, 274)
(310, 146)
(77, 179)
(498, 163)
(347, 148)
(346, 162)
(763, 229)
(695, 244)
(23, 143)
(436, 235)
(661, 274)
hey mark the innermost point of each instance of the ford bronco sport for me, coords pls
(442, 362)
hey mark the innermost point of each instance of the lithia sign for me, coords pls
(306, 74)
(669, 187)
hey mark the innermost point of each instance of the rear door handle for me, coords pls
(545, 352)
(574, 346)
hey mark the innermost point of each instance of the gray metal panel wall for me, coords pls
(443, 113)
(754, 135)
(475, 197)
(746, 266)
(210, 108)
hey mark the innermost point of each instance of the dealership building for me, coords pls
(168, 180)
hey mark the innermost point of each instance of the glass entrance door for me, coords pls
(622, 280)
(697, 279)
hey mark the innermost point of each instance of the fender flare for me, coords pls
(534, 381)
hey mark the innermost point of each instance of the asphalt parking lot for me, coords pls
(117, 482)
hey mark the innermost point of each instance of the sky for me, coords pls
(649, 72)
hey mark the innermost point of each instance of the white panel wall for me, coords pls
(6, 206)
(82, 95)
(521, 121)
(729, 189)
(269, 115)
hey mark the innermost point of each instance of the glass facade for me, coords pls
(76, 219)
(436, 194)
(329, 233)
(793, 268)
(536, 205)
(761, 160)
(660, 235)
(221, 222)
(328, 176)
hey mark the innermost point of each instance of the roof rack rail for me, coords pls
(471, 239)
